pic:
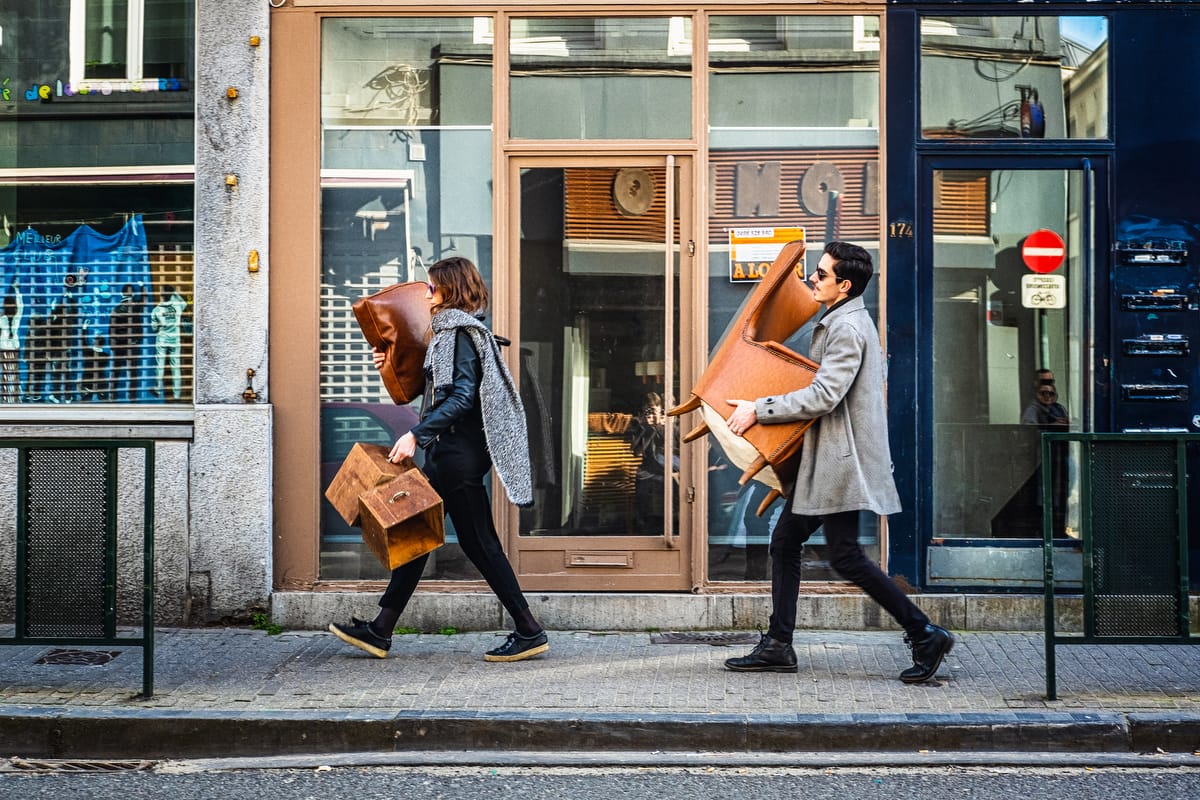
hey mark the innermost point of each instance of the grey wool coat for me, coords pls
(846, 462)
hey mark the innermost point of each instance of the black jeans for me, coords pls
(845, 556)
(456, 470)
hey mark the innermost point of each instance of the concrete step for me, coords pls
(481, 611)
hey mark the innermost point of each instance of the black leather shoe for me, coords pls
(929, 647)
(518, 648)
(770, 655)
(359, 634)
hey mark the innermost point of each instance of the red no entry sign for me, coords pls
(1043, 251)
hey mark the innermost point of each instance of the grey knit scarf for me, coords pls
(499, 401)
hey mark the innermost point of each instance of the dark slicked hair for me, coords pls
(852, 263)
(461, 285)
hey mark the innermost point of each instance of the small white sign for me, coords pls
(1043, 291)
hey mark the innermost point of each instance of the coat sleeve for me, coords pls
(840, 362)
(452, 403)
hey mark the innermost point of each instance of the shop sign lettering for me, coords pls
(45, 92)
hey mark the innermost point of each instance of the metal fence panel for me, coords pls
(66, 566)
(1133, 501)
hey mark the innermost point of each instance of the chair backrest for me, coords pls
(782, 303)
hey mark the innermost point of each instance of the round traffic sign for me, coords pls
(1043, 251)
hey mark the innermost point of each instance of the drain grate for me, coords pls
(714, 639)
(69, 766)
(77, 658)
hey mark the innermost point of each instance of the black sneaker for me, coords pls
(929, 647)
(769, 655)
(359, 634)
(518, 648)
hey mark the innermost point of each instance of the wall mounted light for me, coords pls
(231, 93)
(231, 180)
(252, 261)
(255, 41)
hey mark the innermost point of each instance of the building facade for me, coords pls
(621, 174)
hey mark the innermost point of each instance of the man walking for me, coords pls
(845, 468)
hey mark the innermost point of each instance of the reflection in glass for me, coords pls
(593, 359)
(794, 142)
(1007, 358)
(406, 167)
(106, 36)
(1029, 77)
(405, 71)
(601, 78)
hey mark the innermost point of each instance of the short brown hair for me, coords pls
(851, 263)
(461, 285)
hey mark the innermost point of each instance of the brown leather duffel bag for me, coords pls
(395, 321)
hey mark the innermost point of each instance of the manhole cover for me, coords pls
(715, 639)
(78, 658)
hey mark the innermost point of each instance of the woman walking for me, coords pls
(471, 419)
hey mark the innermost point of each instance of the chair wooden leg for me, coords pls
(759, 464)
(774, 495)
(690, 405)
(700, 430)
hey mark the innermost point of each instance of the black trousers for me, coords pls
(846, 557)
(456, 469)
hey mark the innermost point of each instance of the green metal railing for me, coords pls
(66, 570)
(1134, 532)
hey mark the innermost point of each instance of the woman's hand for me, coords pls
(404, 448)
(377, 358)
(743, 418)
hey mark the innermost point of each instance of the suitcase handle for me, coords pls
(398, 495)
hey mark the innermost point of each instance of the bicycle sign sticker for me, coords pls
(1043, 291)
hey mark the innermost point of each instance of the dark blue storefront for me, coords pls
(984, 149)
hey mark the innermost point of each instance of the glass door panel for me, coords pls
(1010, 263)
(599, 292)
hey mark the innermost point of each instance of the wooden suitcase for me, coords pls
(365, 467)
(395, 321)
(402, 519)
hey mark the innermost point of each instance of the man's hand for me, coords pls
(377, 358)
(743, 418)
(404, 448)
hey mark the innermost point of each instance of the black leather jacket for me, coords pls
(454, 409)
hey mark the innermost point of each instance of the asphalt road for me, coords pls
(532, 782)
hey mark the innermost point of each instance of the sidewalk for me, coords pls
(238, 692)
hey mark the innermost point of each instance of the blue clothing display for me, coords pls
(71, 287)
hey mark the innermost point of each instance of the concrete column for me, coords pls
(230, 464)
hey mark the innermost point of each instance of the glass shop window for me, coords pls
(406, 169)
(97, 292)
(131, 40)
(793, 143)
(601, 78)
(1026, 77)
(1008, 364)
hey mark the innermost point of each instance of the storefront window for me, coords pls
(1028, 77)
(406, 172)
(97, 302)
(794, 143)
(96, 202)
(1008, 322)
(601, 78)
